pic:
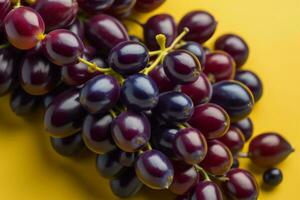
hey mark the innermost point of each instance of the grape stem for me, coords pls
(3, 46)
(243, 155)
(18, 4)
(181, 126)
(113, 114)
(203, 172)
(31, 2)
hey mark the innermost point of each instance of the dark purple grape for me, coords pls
(4, 9)
(272, 177)
(233, 139)
(200, 91)
(64, 115)
(105, 32)
(95, 6)
(148, 5)
(159, 24)
(108, 164)
(252, 81)
(37, 75)
(241, 185)
(207, 190)
(218, 159)
(234, 97)
(121, 8)
(196, 49)
(245, 126)
(131, 131)
(190, 145)
(211, 120)
(126, 184)
(63, 47)
(96, 133)
(8, 68)
(139, 92)
(201, 24)
(77, 27)
(160, 78)
(127, 159)
(219, 66)
(57, 13)
(269, 149)
(22, 31)
(181, 67)
(185, 178)
(48, 98)
(235, 46)
(22, 103)
(154, 169)
(100, 94)
(128, 57)
(174, 107)
(68, 146)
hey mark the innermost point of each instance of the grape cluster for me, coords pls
(166, 113)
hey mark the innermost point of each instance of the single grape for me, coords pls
(23, 27)
(121, 8)
(131, 131)
(272, 177)
(68, 146)
(196, 49)
(245, 126)
(77, 27)
(219, 66)
(235, 46)
(211, 120)
(139, 92)
(181, 67)
(233, 139)
(159, 24)
(126, 184)
(218, 159)
(22, 103)
(48, 98)
(201, 24)
(127, 159)
(241, 184)
(4, 9)
(234, 97)
(252, 81)
(95, 6)
(269, 149)
(96, 133)
(161, 79)
(190, 145)
(148, 5)
(207, 190)
(128, 57)
(8, 70)
(154, 169)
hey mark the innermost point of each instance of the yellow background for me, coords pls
(29, 169)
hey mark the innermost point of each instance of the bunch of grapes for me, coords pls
(163, 112)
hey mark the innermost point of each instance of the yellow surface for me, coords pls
(29, 169)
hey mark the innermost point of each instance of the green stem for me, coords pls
(179, 38)
(154, 53)
(113, 114)
(181, 126)
(3, 46)
(203, 172)
(153, 65)
(18, 4)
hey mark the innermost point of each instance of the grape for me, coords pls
(127, 159)
(148, 5)
(48, 98)
(4, 9)
(272, 177)
(196, 49)
(95, 6)
(121, 8)
(233, 139)
(207, 190)
(245, 126)
(77, 27)
(160, 78)
(22, 103)
(68, 146)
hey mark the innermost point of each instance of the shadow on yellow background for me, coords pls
(29, 168)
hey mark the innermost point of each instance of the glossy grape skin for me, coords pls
(154, 169)
(211, 120)
(77, 27)
(23, 31)
(37, 75)
(131, 131)
(185, 178)
(108, 165)
(95, 6)
(174, 107)
(241, 185)
(207, 190)
(127, 159)
(128, 57)
(201, 24)
(4, 9)
(245, 126)
(48, 98)
(139, 92)
(233, 139)
(181, 67)
(8, 67)
(96, 133)
(196, 49)
(126, 184)
(219, 66)
(64, 115)
(162, 139)
(160, 78)
(218, 159)
(100, 94)
(252, 81)
(200, 91)
(68, 146)
(105, 32)
(269, 149)
(57, 13)
(148, 5)
(234, 97)
(159, 24)
(63, 47)
(272, 177)
(190, 145)
(235, 46)
(22, 103)
(121, 8)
